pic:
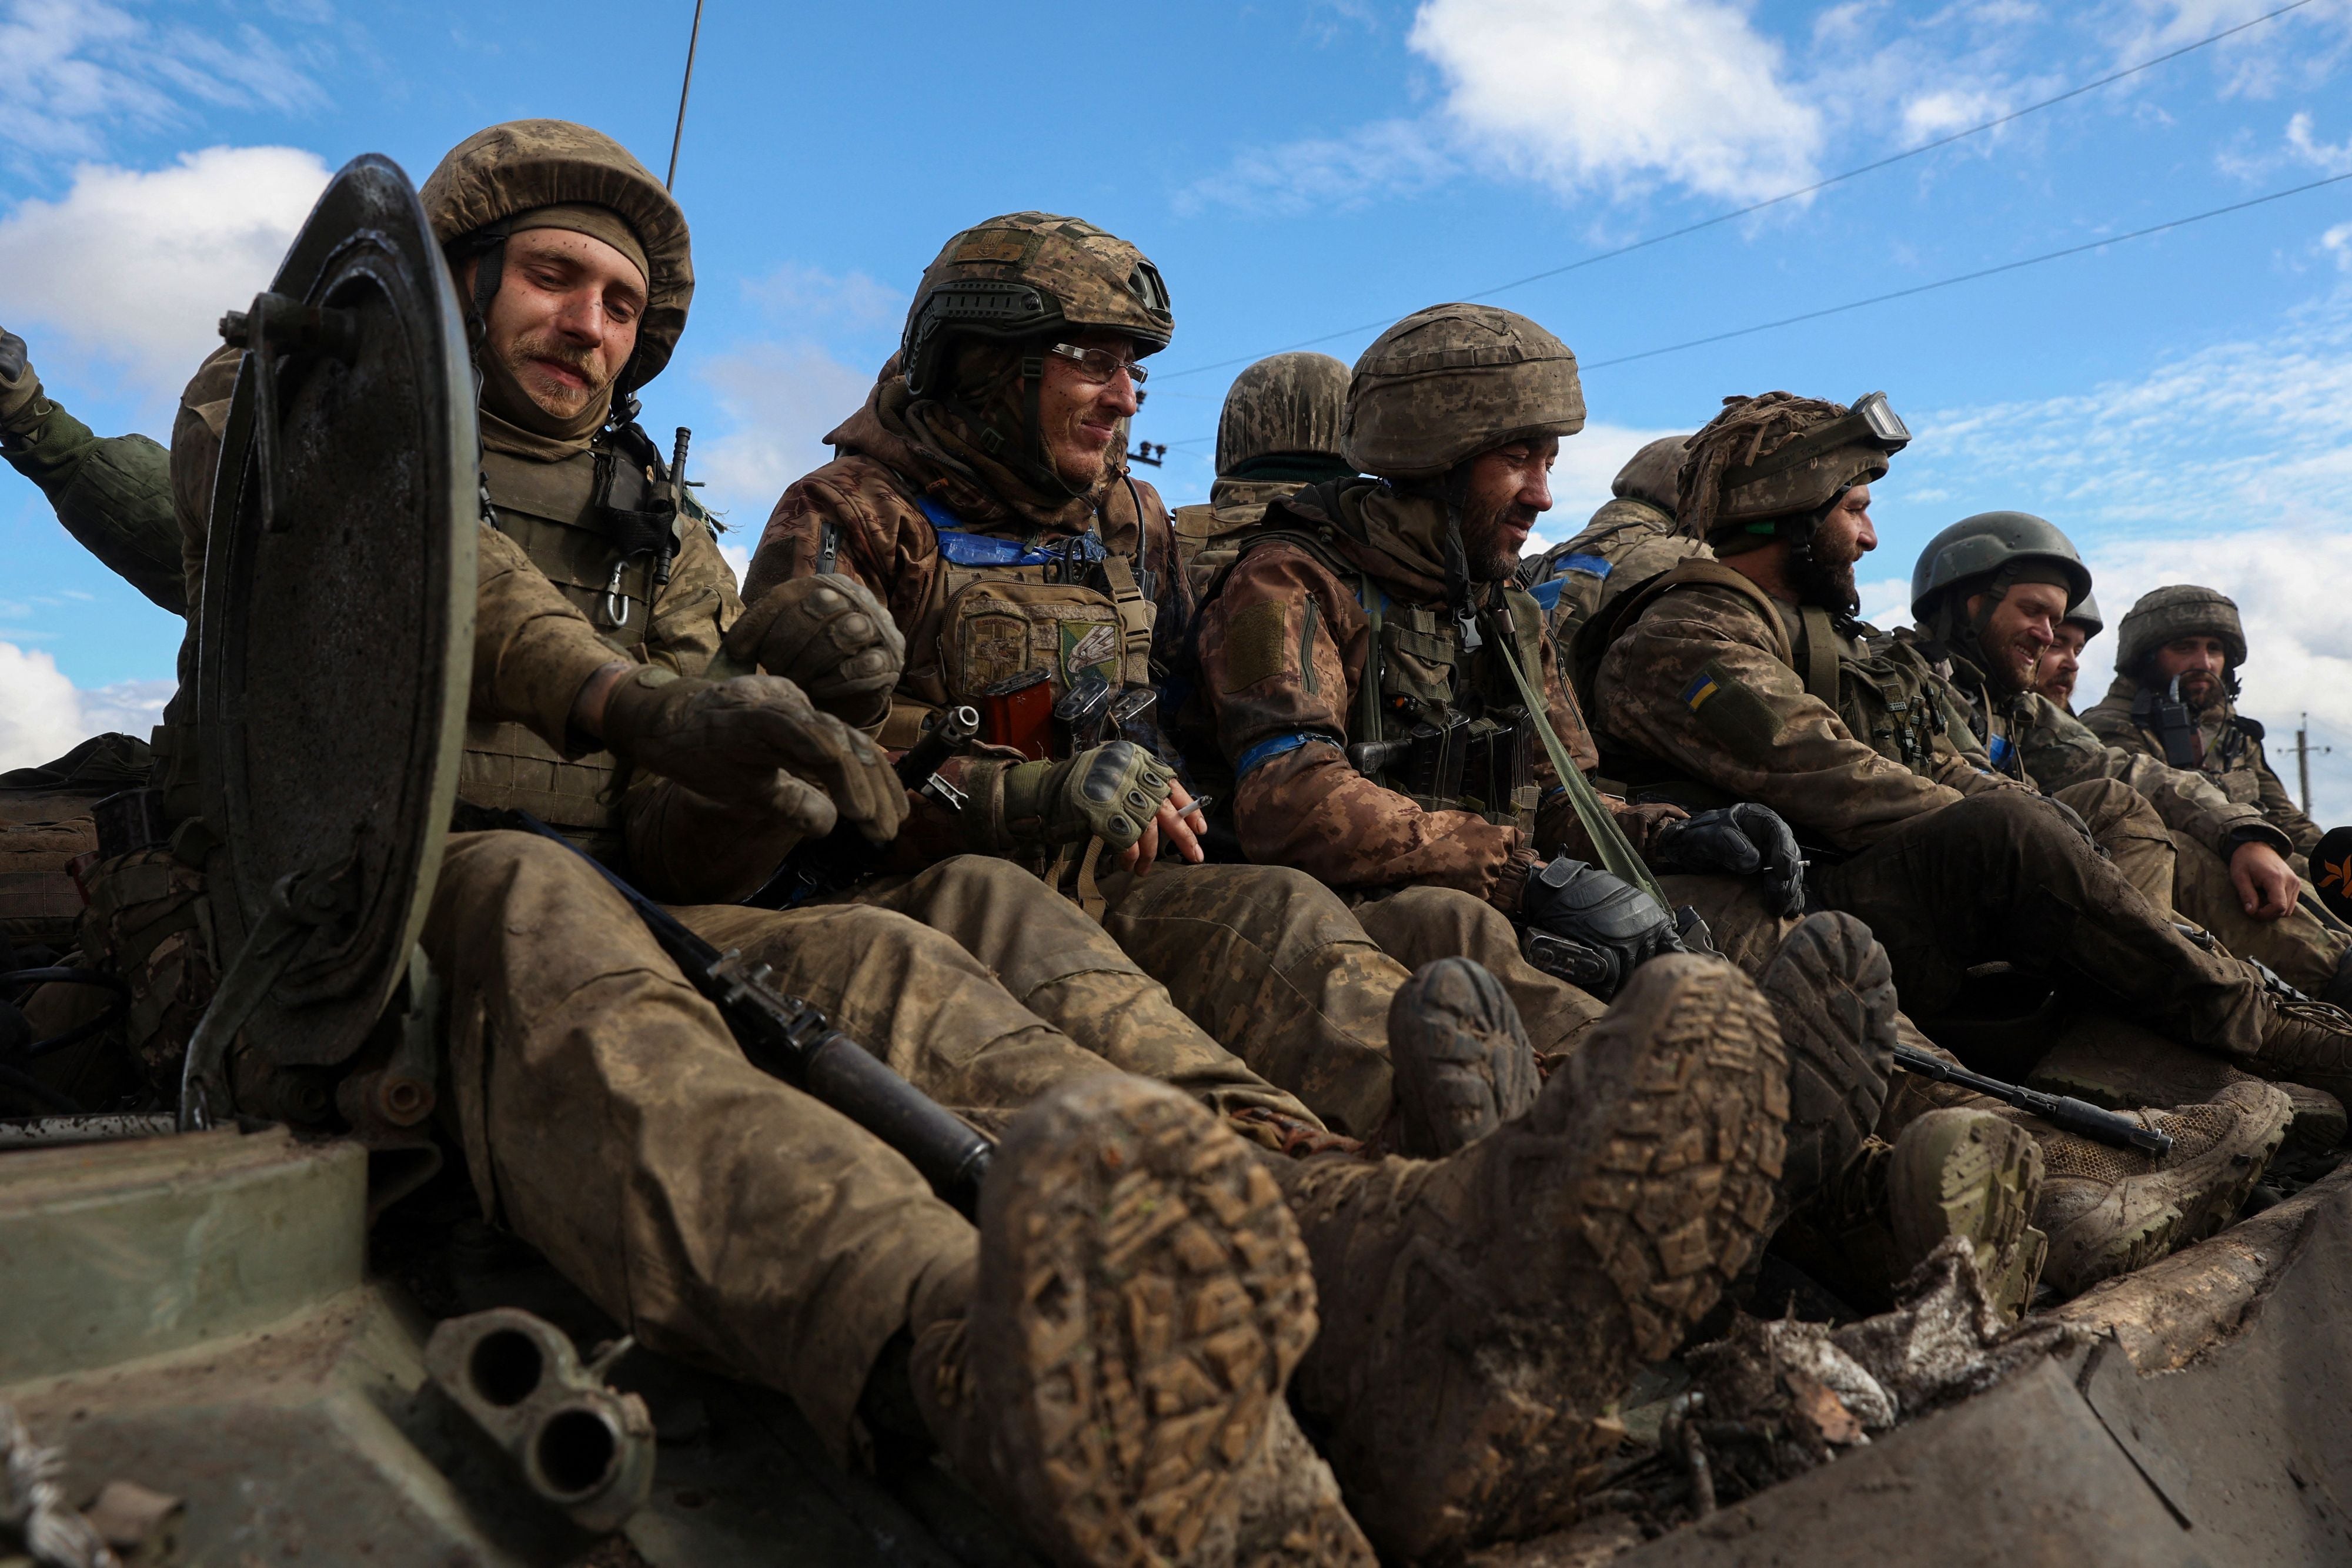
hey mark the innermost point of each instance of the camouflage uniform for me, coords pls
(918, 506)
(1631, 538)
(1278, 432)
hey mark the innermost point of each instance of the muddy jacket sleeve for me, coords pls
(1282, 651)
(2058, 749)
(1698, 683)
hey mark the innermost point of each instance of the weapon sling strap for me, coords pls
(1821, 666)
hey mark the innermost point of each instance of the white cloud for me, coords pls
(793, 292)
(43, 715)
(1581, 94)
(2337, 243)
(2336, 159)
(781, 399)
(78, 70)
(1613, 92)
(138, 265)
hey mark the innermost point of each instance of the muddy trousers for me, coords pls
(2307, 953)
(2001, 876)
(608, 1118)
(1297, 978)
(1051, 962)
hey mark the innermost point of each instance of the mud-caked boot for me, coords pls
(2306, 1042)
(2109, 1210)
(1832, 991)
(1969, 1172)
(1956, 1171)
(1482, 1314)
(1115, 1387)
(1462, 1063)
(2122, 1065)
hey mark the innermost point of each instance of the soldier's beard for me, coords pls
(524, 358)
(1824, 576)
(2202, 693)
(1493, 555)
(2009, 665)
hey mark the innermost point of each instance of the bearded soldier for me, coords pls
(2174, 699)
(1632, 537)
(1353, 680)
(1279, 432)
(1747, 678)
(1988, 593)
(2062, 664)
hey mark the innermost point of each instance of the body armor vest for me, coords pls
(1436, 717)
(1882, 688)
(552, 511)
(1001, 611)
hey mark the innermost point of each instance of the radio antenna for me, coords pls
(693, 41)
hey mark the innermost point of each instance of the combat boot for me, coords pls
(1115, 1387)
(1461, 1057)
(1482, 1314)
(2306, 1042)
(2109, 1210)
(1832, 991)
(2121, 1065)
(1955, 1171)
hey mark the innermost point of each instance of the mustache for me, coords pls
(571, 356)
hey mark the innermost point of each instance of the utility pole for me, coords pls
(2303, 762)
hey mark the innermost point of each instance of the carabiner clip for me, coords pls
(617, 603)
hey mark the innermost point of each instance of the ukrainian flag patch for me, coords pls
(1695, 695)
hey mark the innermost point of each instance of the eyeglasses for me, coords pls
(1101, 366)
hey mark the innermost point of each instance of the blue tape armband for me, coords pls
(1274, 746)
(1546, 594)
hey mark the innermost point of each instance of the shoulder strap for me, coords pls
(1821, 666)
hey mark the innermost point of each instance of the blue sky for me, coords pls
(2181, 403)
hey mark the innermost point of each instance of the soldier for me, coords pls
(1747, 678)
(1278, 433)
(1987, 592)
(1370, 607)
(1632, 537)
(109, 492)
(2055, 675)
(2192, 636)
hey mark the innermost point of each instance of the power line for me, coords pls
(693, 42)
(1971, 276)
(1942, 282)
(1736, 213)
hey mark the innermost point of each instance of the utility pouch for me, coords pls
(999, 626)
(1018, 712)
(1498, 774)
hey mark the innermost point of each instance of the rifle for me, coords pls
(789, 1039)
(842, 856)
(2060, 1110)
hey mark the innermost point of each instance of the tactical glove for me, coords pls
(755, 742)
(18, 385)
(832, 638)
(1589, 927)
(1109, 792)
(1746, 840)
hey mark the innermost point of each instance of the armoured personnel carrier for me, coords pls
(258, 1322)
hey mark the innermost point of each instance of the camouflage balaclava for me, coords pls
(988, 309)
(552, 174)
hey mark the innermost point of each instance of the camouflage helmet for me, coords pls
(1651, 473)
(1988, 545)
(500, 173)
(2181, 610)
(1285, 405)
(2086, 614)
(1777, 457)
(1451, 381)
(1025, 274)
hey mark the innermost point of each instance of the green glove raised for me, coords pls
(1111, 793)
(832, 638)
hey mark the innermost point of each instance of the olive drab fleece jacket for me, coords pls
(2230, 750)
(1282, 651)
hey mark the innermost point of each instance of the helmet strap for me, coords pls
(1453, 491)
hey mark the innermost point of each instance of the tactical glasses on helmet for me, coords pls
(1871, 421)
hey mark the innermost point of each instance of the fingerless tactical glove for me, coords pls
(1110, 792)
